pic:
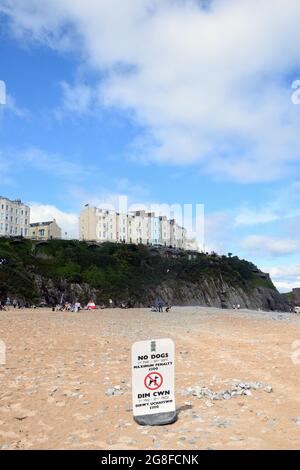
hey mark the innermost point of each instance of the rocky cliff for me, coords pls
(293, 298)
(210, 292)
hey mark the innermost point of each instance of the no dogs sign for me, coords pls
(153, 377)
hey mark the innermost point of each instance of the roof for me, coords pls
(45, 224)
(13, 201)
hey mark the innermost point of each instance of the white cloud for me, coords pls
(270, 246)
(282, 206)
(55, 164)
(68, 221)
(207, 84)
(8, 104)
(285, 277)
(2, 93)
(79, 99)
(286, 286)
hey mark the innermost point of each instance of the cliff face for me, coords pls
(219, 294)
(72, 270)
(293, 298)
(207, 293)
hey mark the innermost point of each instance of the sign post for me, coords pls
(153, 390)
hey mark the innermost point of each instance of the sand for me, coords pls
(59, 367)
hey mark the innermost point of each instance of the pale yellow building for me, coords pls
(45, 231)
(88, 223)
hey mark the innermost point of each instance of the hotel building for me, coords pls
(14, 218)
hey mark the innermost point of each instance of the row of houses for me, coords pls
(15, 222)
(134, 227)
(96, 224)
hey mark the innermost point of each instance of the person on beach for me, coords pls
(168, 308)
(7, 303)
(160, 306)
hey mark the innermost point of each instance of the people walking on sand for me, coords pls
(160, 305)
(15, 303)
(7, 303)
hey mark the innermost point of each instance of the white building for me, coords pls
(122, 228)
(135, 227)
(106, 225)
(141, 227)
(165, 231)
(177, 235)
(14, 218)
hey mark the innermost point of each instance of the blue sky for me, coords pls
(162, 101)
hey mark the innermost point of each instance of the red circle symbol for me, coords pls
(153, 380)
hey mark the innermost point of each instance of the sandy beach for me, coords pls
(66, 383)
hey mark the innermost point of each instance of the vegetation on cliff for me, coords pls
(118, 271)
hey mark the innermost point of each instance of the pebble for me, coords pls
(238, 388)
(192, 441)
(114, 391)
(296, 421)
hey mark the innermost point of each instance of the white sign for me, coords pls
(2, 93)
(153, 389)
